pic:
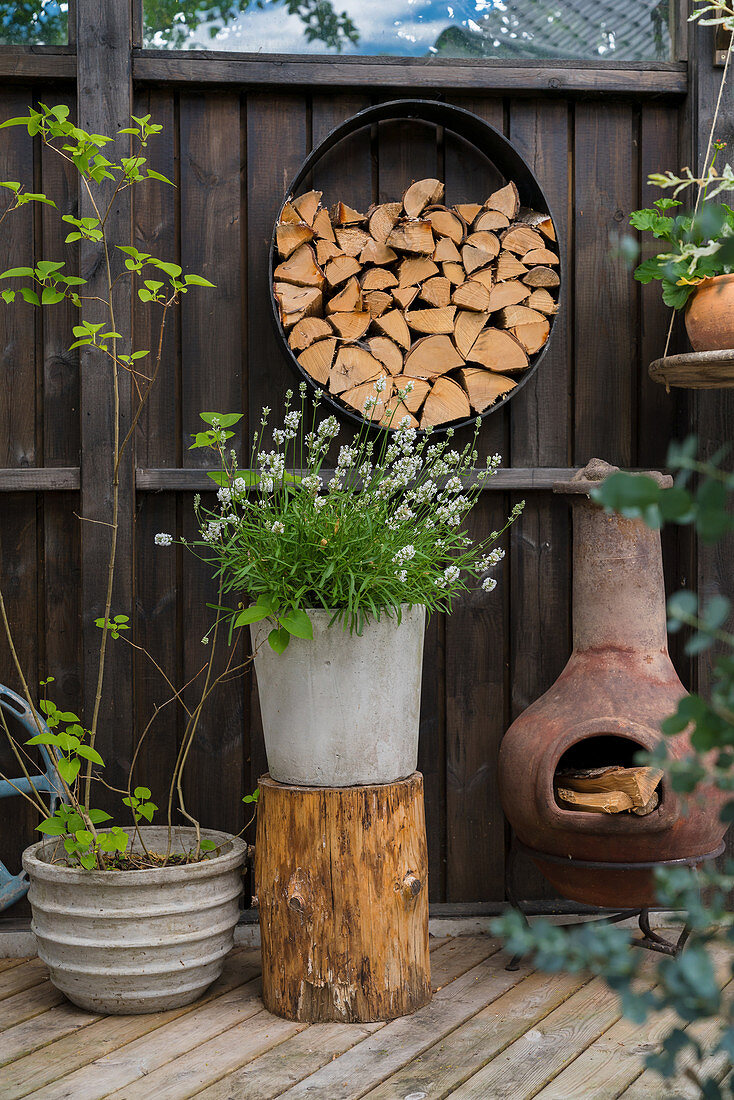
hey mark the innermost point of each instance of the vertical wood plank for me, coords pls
(606, 170)
(104, 104)
(211, 373)
(270, 168)
(539, 566)
(19, 535)
(476, 687)
(156, 230)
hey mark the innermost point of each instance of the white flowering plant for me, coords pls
(384, 528)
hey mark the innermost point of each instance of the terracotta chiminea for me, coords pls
(607, 703)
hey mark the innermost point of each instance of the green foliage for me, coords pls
(700, 246)
(387, 530)
(140, 804)
(687, 985)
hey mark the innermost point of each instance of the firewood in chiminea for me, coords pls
(598, 776)
(456, 296)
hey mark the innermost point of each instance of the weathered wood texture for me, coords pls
(341, 875)
(232, 150)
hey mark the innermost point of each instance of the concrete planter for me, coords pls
(342, 710)
(127, 942)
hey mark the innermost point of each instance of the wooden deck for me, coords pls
(488, 1033)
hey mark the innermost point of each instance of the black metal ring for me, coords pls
(488, 141)
(689, 861)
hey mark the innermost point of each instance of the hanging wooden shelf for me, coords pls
(695, 370)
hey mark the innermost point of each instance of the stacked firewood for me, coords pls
(454, 301)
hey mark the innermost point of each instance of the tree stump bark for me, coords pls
(342, 875)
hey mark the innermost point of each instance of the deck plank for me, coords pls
(467, 1049)
(36, 1072)
(8, 964)
(617, 1059)
(271, 1073)
(371, 1061)
(46, 1027)
(17, 978)
(29, 1003)
(524, 1067)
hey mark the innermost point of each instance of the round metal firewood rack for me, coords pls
(695, 370)
(486, 140)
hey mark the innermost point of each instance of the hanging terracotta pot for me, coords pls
(607, 704)
(710, 315)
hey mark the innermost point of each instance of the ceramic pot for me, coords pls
(342, 709)
(125, 942)
(710, 315)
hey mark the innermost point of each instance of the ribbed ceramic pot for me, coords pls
(342, 709)
(710, 315)
(129, 942)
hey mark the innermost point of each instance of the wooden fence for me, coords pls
(234, 132)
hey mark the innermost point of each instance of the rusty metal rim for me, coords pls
(689, 861)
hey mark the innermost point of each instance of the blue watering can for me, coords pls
(15, 887)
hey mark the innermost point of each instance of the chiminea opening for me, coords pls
(600, 774)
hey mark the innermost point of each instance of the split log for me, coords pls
(446, 251)
(509, 267)
(341, 214)
(542, 256)
(300, 269)
(532, 336)
(468, 210)
(473, 258)
(405, 295)
(455, 273)
(374, 252)
(307, 205)
(492, 220)
(485, 240)
(507, 294)
(348, 299)
(514, 315)
(323, 228)
(541, 300)
(541, 276)
(520, 239)
(352, 240)
(467, 327)
(396, 413)
(484, 387)
(416, 271)
(377, 302)
(485, 276)
(307, 331)
(291, 235)
(317, 359)
(327, 250)
(506, 200)
(340, 269)
(447, 401)
(360, 396)
(350, 326)
(295, 303)
(432, 321)
(378, 278)
(353, 366)
(609, 790)
(447, 224)
(382, 220)
(393, 324)
(416, 397)
(421, 194)
(412, 236)
(343, 900)
(539, 221)
(386, 352)
(496, 349)
(430, 357)
(436, 291)
(289, 213)
(472, 295)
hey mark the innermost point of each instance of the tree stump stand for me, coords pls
(341, 876)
